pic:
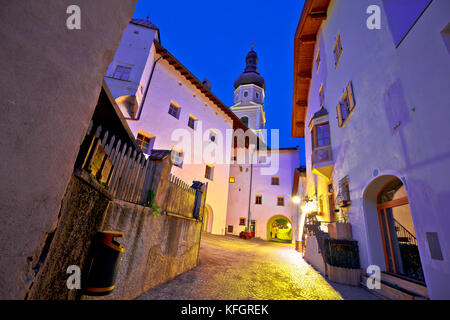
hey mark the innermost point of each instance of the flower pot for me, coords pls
(344, 275)
(340, 230)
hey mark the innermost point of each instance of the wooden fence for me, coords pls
(180, 198)
(129, 175)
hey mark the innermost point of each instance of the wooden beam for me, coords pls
(304, 75)
(318, 15)
(302, 104)
(308, 38)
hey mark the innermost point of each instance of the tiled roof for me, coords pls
(144, 23)
(159, 154)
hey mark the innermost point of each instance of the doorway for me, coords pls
(398, 234)
(279, 229)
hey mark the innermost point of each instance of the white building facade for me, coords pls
(260, 191)
(374, 105)
(168, 108)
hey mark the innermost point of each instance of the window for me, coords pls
(230, 229)
(258, 199)
(317, 60)
(321, 135)
(192, 122)
(343, 196)
(280, 201)
(232, 180)
(337, 50)
(275, 181)
(145, 143)
(122, 73)
(321, 96)
(177, 157)
(212, 136)
(242, 221)
(244, 120)
(174, 110)
(257, 95)
(346, 105)
(262, 159)
(245, 93)
(209, 172)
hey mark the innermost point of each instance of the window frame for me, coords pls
(315, 138)
(348, 102)
(174, 106)
(321, 95)
(317, 60)
(141, 142)
(209, 175)
(194, 122)
(337, 44)
(180, 155)
(272, 180)
(212, 133)
(122, 72)
(280, 203)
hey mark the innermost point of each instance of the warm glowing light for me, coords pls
(296, 199)
(311, 205)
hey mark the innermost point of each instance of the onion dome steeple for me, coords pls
(250, 74)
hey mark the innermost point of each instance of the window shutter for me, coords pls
(351, 97)
(338, 108)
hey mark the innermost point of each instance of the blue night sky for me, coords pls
(212, 38)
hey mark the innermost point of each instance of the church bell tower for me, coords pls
(249, 96)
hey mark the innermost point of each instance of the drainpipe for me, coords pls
(250, 194)
(146, 91)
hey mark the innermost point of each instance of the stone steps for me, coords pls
(393, 288)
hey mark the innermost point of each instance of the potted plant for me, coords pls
(342, 261)
(340, 229)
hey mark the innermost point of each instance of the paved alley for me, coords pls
(234, 269)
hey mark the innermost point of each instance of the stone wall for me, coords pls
(157, 249)
(50, 83)
(82, 214)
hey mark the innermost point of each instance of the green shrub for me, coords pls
(342, 253)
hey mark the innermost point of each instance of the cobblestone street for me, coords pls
(234, 269)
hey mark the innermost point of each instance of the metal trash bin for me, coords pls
(104, 264)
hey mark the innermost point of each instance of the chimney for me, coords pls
(207, 84)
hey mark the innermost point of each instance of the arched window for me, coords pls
(244, 120)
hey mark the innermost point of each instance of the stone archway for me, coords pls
(275, 233)
(390, 231)
(208, 219)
